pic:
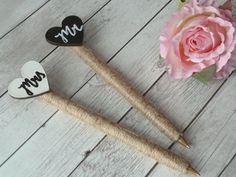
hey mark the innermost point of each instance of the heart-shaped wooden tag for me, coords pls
(70, 34)
(34, 81)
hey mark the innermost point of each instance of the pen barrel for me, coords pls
(152, 150)
(124, 88)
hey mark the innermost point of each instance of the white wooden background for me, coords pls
(37, 140)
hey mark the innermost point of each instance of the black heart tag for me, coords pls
(70, 34)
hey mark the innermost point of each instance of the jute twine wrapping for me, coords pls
(136, 99)
(115, 130)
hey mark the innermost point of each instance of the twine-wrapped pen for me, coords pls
(154, 151)
(71, 34)
(35, 83)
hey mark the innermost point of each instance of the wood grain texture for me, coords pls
(171, 97)
(59, 147)
(74, 65)
(13, 12)
(212, 134)
(162, 171)
(16, 120)
(230, 169)
(27, 41)
(109, 106)
(47, 153)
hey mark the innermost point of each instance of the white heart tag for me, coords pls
(34, 81)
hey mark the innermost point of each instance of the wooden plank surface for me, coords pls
(50, 143)
(213, 135)
(13, 121)
(13, 12)
(60, 62)
(230, 168)
(28, 39)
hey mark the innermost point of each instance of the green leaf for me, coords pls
(205, 75)
(181, 3)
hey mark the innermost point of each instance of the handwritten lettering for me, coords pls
(27, 83)
(67, 31)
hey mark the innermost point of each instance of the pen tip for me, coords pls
(193, 171)
(183, 142)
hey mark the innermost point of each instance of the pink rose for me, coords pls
(199, 36)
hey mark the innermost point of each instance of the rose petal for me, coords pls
(228, 68)
(187, 49)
